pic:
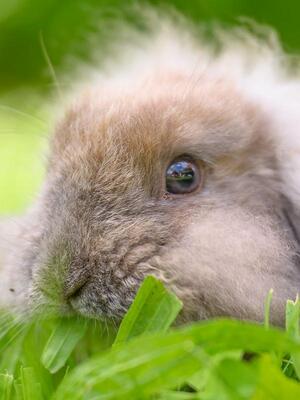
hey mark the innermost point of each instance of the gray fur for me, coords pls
(102, 221)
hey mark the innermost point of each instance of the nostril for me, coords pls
(74, 283)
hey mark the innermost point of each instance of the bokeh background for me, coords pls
(67, 31)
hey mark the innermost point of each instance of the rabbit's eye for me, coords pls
(182, 176)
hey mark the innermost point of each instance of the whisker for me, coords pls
(50, 65)
(23, 114)
(11, 132)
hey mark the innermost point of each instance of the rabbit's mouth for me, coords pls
(99, 297)
(104, 298)
(107, 298)
(104, 293)
(102, 290)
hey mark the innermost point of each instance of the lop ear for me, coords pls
(286, 130)
(278, 94)
(273, 83)
(292, 217)
(288, 157)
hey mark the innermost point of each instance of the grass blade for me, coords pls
(129, 373)
(292, 314)
(62, 342)
(6, 382)
(273, 384)
(153, 310)
(268, 309)
(31, 389)
(172, 395)
(292, 319)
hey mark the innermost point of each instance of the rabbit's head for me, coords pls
(177, 173)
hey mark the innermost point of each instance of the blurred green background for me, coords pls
(65, 29)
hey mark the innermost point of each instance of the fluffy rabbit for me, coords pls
(180, 162)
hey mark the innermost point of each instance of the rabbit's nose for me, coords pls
(74, 282)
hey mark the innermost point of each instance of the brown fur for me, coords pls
(102, 222)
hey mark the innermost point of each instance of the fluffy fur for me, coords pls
(102, 221)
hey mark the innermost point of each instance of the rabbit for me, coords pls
(178, 161)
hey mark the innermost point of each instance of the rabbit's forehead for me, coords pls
(148, 128)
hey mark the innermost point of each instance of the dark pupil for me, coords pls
(180, 177)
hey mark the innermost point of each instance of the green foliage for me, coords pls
(67, 28)
(22, 139)
(6, 382)
(42, 44)
(73, 358)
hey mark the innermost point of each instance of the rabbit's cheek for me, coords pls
(225, 264)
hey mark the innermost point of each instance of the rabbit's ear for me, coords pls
(292, 217)
(286, 127)
(279, 98)
(273, 83)
(289, 170)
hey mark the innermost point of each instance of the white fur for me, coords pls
(255, 63)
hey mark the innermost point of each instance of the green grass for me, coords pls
(22, 140)
(146, 358)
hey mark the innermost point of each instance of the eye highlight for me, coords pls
(183, 176)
